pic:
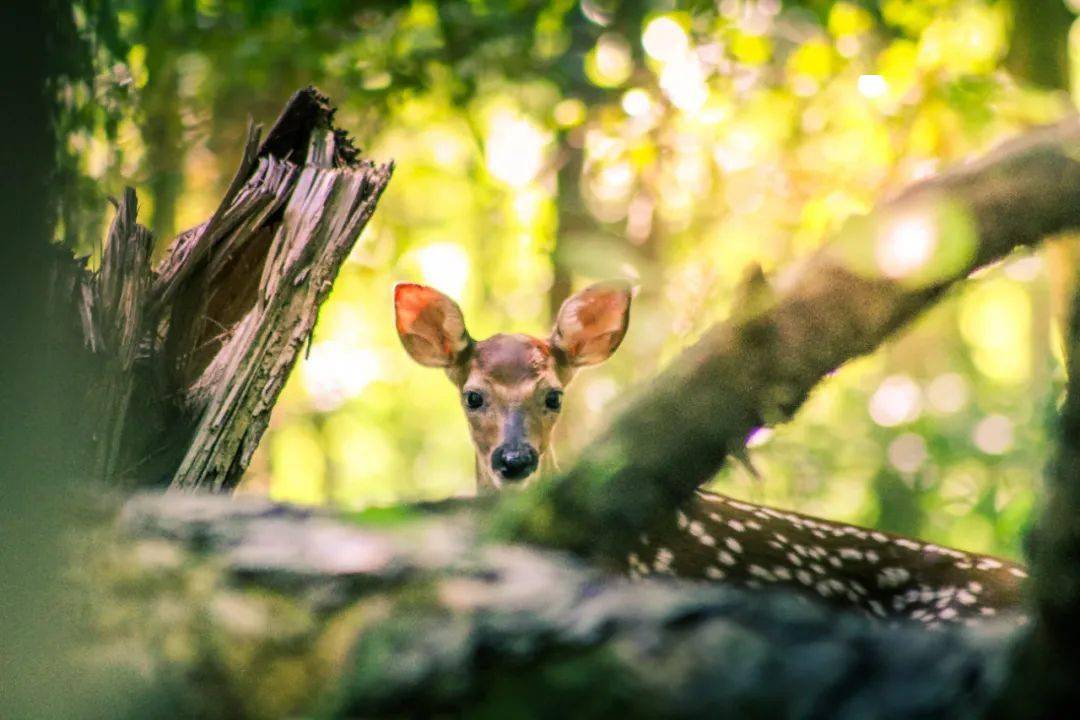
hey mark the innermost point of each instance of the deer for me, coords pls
(511, 388)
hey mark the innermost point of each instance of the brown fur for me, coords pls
(513, 373)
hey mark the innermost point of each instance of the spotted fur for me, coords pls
(876, 573)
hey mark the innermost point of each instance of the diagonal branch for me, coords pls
(759, 367)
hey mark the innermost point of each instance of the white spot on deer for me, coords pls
(696, 529)
(892, 577)
(817, 568)
(726, 558)
(835, 561)
(753, 525)
(1018, 573)
(736, 525)
(715, 517)
(987, 611)
(683, 521)
(662, 561)
(780, 537)
(850, 554)
(988, 564)
(947, 614)
(975, 587)
(907, 544)
(794, 559)
(804, 577)
(871, 557)
(963, 565)
(760, 572)
(733, 544)
(708, 540)
(880, 537)
(966, 598)
(823, 589)
(714, 573)
(876, 608)
(781, 572)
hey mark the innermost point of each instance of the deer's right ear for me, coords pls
(430, 325)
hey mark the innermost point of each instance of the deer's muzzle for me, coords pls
(514, 462)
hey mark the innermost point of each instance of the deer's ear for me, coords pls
(430, 325)
(592, 323)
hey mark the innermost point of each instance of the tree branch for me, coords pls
(757, 368)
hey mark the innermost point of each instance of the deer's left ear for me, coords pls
(430, 325)
(592, 323)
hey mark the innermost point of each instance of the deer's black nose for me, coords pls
(514, 462)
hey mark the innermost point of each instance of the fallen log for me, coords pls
(243, 608)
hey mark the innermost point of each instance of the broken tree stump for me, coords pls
(186, 360)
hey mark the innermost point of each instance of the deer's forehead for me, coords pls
(513, 360)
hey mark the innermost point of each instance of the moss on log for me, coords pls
(249, 609)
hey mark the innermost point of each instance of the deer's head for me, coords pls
(511, 386)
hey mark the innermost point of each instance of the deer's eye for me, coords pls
(553, 400)
(474, 400)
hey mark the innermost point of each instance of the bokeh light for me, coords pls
(897, 400)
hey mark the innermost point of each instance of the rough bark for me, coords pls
(757, 368)
(190, 357)
(246, 609)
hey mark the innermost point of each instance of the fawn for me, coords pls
(511, 388)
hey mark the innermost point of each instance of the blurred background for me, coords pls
(543, 145)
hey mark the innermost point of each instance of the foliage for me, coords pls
(709, 136)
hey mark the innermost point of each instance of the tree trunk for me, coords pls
(189, 358)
